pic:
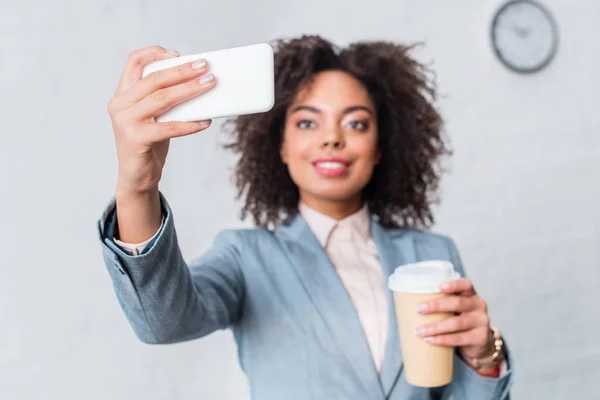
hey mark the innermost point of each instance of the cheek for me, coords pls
(366, 148)
(297, 147)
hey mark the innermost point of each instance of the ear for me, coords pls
(378, 158)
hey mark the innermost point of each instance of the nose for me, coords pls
(333, 139)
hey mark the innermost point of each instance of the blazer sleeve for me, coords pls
(165, 299)
(468, 384)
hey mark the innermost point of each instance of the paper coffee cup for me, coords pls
(425, 365)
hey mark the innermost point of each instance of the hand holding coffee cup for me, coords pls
(468, 329)
(436, 311)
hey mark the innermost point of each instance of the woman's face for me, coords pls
(330, 139)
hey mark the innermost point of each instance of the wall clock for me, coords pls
(524, 36)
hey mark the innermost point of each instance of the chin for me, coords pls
(335, 191)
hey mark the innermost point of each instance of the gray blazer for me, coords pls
(297, 332)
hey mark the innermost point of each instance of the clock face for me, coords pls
(524, 36)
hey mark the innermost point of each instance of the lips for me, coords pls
(331, 166)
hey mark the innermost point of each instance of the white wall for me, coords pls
(521, 200)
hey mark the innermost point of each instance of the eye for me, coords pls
(304, 124)
(360, 125)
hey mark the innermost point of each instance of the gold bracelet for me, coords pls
(495, 357)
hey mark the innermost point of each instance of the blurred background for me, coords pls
(525, 173)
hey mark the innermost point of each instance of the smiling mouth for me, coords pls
(331, 168)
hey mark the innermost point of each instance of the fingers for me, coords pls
(452, 304)
(460, 323)
(135, 63)
(462, 286)
(162, 100)
(478, 337)
(158, 132)
(165, 78)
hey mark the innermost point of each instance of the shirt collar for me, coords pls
(322, 225)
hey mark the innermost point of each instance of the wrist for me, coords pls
(139, 215)
(125, 192)
(490, 370)
(490, 361)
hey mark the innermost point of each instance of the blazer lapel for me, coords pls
(391, 255)
(321, 281)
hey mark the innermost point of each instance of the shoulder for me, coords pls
(419, 235)
(245, 237)
(426, 243)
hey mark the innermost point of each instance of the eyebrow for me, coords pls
(346, 110)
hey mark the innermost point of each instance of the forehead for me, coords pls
(333, 90)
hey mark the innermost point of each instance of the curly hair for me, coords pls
(404, 184)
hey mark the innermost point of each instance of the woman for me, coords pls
(339, 177)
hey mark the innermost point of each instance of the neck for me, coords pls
(337, 210)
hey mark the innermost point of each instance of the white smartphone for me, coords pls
(245, 84)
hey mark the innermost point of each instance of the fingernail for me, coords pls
(429, 339)
(445, 285)
(173, 53)
(421, 308)
(199, 64)
(419, 331)
(207, 78)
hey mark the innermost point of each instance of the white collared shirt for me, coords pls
(353, 253)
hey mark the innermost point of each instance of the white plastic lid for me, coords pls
(422, 277)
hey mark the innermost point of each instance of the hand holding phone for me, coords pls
(161, 96)
(245, 83)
